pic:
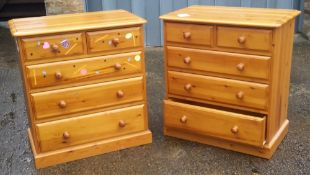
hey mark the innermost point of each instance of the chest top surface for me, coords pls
(257, 17)
(73, 22)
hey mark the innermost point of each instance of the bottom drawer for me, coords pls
(72, 131)
(217, 123)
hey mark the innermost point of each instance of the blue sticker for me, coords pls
(65, 44)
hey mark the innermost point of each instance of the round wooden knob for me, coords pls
(117, 66)
(115, 41)
(66, 135)
(187, 60)
(188, 87)
(240, 67)
(62, 104)
(240, 95)
(121, 123)
(183, 119)
(234, 129)
(241, 40)
(120, 94)
(187, 35)
(55, 48)
(58, 75)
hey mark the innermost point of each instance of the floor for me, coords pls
(165, 155)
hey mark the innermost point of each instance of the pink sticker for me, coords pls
(83, 72)
(46, 45)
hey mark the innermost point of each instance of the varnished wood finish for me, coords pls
(44, 75)
(222, 90)
(51, 46)
(237, 16)
(117, 39)
(244, 38)
(206, 121)
(189, 34)
(73, 22)
(245, 71)
(219, 62)
(78, 99)
(74, 84)
(54, 135)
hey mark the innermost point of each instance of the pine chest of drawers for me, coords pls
(84, 81)
(227, 76)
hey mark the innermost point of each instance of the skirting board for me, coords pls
(265, 152)
(43, 160)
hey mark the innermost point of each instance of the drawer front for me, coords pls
(53, 46)
(50, 74)
(222, 124)
(242, 38)
(219, 62)
(189, 34)
(68, 132)
(215, 89)
(77, 99)
(113, 40)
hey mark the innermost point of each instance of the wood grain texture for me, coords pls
(82, 98)
(42, 47)
(222, 90)
(255, 17)
(253, 39)
(85, 69)
(89, 149)
(73, 22)
(197, 34)
(217, 123)
(113, 40)
(219, 62)
(215, 76)
(103, 125)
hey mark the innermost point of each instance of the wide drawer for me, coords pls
(77, 99)
(217, 123)
(53, 46)
(87, 128)
(215, 89)
(57, 73)
(113, 40)
(244, 38)
(192, 34)
(219, 62)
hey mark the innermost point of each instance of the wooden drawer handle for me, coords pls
(187, 35)
(241, 39)
(66, 135)
(120, 94)
(121, 123)
(62, 104)
(117, 66)
(187, 60)
(115, 42)
(58, 75)
(183, 119)
(240, 67)
(235, 129)
(240, 95)
(188, 87)
(55, 48)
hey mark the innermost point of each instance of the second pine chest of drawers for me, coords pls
(227, 76)
(84, 80)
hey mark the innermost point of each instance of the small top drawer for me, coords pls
(244, 38)
(53, 46)
(189, 33)
(112, 40)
